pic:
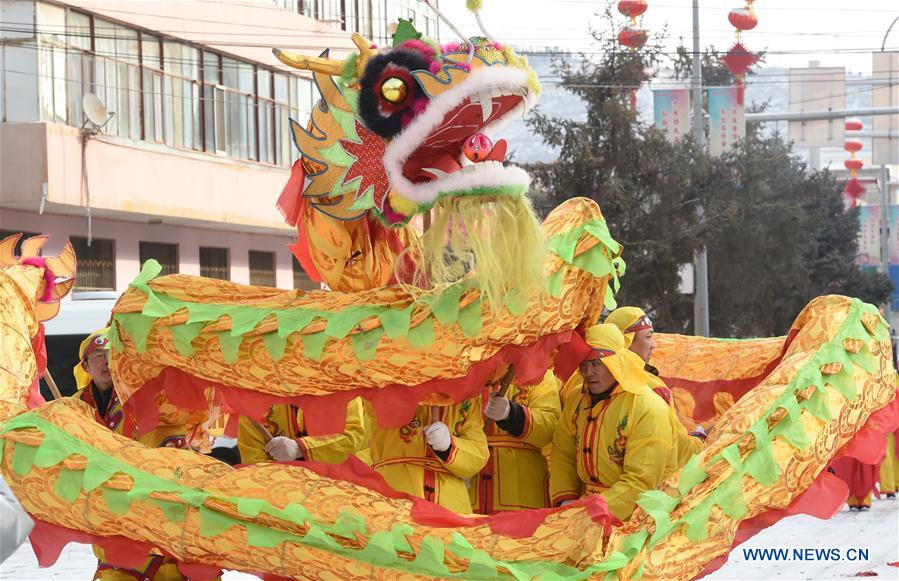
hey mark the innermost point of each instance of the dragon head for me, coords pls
(400, 131)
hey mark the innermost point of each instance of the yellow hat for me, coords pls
(94, 341)
(626, 366)
(629, 320)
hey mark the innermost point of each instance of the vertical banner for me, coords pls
(727, 119)
(868, 236)
(894, 254)
(672, 112)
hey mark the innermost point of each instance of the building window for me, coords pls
(95, 264)
(172, 92)
(266, 110)
(152, 85)
(165, 254)
(301, 280)
(214, 263)
(262, 268)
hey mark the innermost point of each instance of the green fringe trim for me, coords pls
(381, 548)
(393, 321)
(759, 464)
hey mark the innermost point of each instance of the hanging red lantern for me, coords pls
(633, 38)
(853, 145)
(743, 19)
(632, 8)
(854, 188)
(739, 59)
(854, 164)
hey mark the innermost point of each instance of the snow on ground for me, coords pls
(76, 563)
(876, 530)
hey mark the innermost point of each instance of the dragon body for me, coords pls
(376, 153)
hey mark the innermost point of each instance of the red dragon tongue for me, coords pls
(498, 153)
(441, 166)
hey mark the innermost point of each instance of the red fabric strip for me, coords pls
(703, 392)
(394, 404)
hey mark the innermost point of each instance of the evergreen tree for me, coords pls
(777, 235)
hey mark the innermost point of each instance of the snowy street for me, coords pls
(876, 530)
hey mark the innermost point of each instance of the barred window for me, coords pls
(262, 268)
(301, 280)
(215, 263)
(171, 92)
(165, 254)
(95, 264)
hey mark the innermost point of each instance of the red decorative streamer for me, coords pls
(854, 188)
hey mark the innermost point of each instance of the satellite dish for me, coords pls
(95, 110)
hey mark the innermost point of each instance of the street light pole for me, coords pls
(700, 260)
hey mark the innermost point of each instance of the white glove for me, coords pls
(498, 408)
(438, 436)
(283, 449)
(564, 502)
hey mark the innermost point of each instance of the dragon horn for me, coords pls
(310, 63)
(365, 52)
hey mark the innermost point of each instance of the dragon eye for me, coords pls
(394, 90)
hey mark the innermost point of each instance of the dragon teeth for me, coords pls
(437, 173)
(486, 100)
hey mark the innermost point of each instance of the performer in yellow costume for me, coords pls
(95, 387)
(637, 329)
(432, 455)
(290, 441)
(889, 469)
(615, 436)
(517, 427)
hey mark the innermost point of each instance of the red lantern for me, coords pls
(632, 38)
(853, 145)
(743, 18)
(854, 164)
(854, 125)
(632, 8)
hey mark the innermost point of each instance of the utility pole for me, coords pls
(700, 260)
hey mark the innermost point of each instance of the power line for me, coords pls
(342, 35)
(566, 52)
(752, 80)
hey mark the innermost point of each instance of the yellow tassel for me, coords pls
(402, 205)
(474, 5)
(497, 243)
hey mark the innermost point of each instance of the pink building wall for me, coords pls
(128, 235)
(135, 178)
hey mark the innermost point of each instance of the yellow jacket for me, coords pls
(515, 476)
(156, 567)
(619, 447)
(408, 464)
(287, 420)
(687, 445)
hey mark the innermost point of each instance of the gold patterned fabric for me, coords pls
(810, 394)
